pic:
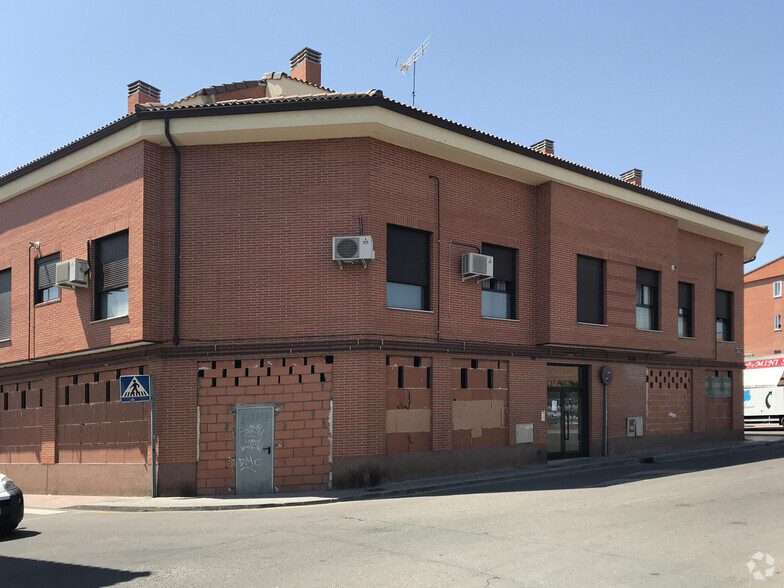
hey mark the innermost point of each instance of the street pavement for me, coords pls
(754, 439)
(703, 518)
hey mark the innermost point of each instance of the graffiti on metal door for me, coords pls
(250, 447)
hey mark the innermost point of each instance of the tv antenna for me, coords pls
(410, 63)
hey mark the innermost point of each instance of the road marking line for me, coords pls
(41, 511)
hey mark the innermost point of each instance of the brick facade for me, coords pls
(760, 307)
(362, 392)
(299, 388)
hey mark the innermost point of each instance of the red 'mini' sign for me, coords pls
(763, 363)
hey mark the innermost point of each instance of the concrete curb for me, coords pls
(118, 507)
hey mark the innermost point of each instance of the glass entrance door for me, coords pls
(567, 425)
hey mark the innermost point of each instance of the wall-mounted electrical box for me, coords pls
(634, 427)
(476, 265)
(524, 432)
(71, 273)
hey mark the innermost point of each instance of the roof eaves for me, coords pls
(355, 99)
(565, 163)
(68, 148)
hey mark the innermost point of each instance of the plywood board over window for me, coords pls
(480, 402)
(409, 404)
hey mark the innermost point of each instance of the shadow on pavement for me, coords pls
(18, 534)
(624, 473)
(34, 572)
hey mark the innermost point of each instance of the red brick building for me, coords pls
(208, 228)
(763, 309)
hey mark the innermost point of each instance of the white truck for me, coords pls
(763, 391)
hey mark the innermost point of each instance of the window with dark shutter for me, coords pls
(685, 310)
(408, 268)
(590, 290)
(45, 288)
(647, 299)
(111, 276)
(5, 304)
(723, 315)
(498, 293)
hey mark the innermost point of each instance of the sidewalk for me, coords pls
(146, 503)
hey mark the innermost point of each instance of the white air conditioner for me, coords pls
(71, 273)
(352, 249)
(476, 265)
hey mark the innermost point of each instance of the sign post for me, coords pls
(606, 376)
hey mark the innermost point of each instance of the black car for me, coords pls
(11, 504)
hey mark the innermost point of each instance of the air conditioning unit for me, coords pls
(71, 273)
(352, 249)
(476, 265)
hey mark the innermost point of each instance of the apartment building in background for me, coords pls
(763, 309)
(333, 289)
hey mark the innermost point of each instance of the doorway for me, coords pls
(255, 449)
(567, 414)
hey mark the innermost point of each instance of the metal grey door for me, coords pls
(255, 441)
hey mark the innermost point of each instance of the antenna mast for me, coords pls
(411, 63)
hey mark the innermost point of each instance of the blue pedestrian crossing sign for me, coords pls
(135, 388)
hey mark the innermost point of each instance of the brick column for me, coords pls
(442, 403)
(49, 421)
(737, 400)
(699, 416)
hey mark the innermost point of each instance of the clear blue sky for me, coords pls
(690, 92)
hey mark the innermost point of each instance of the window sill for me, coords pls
(48, 302)
(112, 318)
(650, 330)
(409, 309)
(592, 324)
(688, 338)
(498, 318)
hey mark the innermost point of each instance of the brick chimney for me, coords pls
(633, 176)
(140, 92)
(306, 66)
(544, 146)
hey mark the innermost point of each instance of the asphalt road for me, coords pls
(686, 522)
